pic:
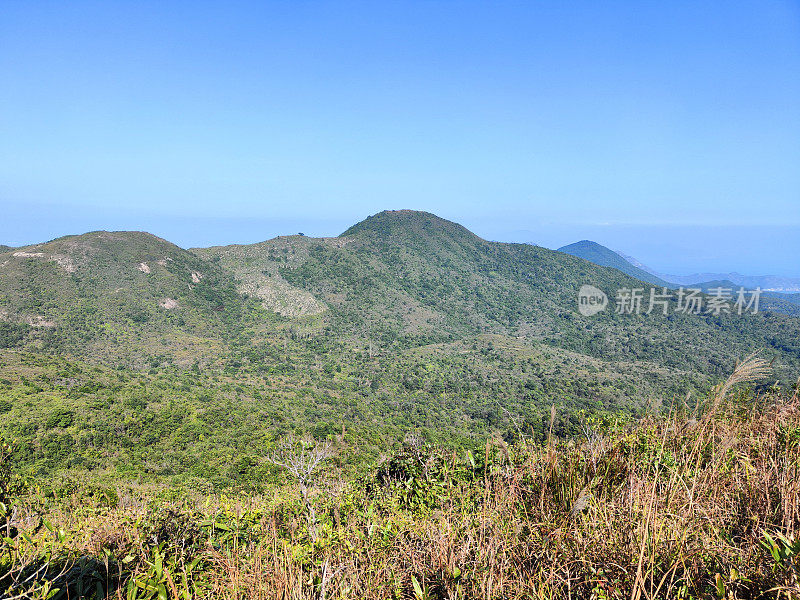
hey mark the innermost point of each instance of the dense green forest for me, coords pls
(127, 357)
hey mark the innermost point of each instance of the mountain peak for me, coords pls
(105, 238)
(605, 257)
(584, 244)
(407, 223)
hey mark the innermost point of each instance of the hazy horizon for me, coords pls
(669, 249)
(670, 132)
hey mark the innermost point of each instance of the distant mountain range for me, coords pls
(776, 291)
(769, 283)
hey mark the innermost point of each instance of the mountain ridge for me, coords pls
(408, 221)
(593, 252)
(413, 278)
(397, 279)
(770, 283)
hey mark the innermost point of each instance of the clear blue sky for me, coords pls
(658, 128)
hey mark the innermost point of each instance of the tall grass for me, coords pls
(695, 504)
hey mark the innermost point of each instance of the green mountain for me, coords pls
(125, 355)
(397, 280)
(600, 255)
(401, 279)
(123, 294)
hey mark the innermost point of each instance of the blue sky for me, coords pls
(670, 131)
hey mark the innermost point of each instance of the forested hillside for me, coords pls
(407, 278)
(125, 354)
(125, 297)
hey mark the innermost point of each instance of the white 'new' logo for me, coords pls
(591, 300)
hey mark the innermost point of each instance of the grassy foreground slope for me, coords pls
(690, 505)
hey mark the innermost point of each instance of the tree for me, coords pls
(302, 458)
(10, 487)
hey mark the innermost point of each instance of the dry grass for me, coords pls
(672, 507)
